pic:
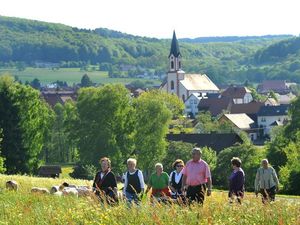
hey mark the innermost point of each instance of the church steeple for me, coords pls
(174, 46)
(175, 55)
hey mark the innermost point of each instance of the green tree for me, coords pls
(207, 124)
(290, 172)
(152, 117)
(2, 168)
(86, 81)
(36, 84)
(105, 125)
(24, 118)
(58, 149)
(176, 150)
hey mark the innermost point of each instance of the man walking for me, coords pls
(196, 178)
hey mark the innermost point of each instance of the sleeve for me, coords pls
(167, 179)
(170, 177)
(256, 183)
(207, 172)
(113, 180)
(96, 180)
(141, 177)
(239, 181)
(275, 177)
(125, 181)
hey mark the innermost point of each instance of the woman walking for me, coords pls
(236, 181)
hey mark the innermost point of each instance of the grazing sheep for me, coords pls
(54, 189)
(12, 185)
(65, 184)
(84, 191)
(70, 191)
(40, 190)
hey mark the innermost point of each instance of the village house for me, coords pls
(182, 84)
(277, 86)
(54, 97)
(241, 122)
(239, 95)
(270, 116)
(215, 106)
(191, 104)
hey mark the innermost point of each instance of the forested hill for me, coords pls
(28, 41)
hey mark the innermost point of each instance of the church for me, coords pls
(182, 84)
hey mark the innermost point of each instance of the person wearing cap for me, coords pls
(266, 181)
(196, 178)
(236, 181)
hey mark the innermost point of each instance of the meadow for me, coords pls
(23, 207)
(70, 75)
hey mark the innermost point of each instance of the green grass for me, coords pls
(23, 207)
(70, 75)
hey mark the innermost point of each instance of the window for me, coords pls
(263, 119)
(172, 64)
(183, 98)
(195, 102)
(179, 64)
(172, 85)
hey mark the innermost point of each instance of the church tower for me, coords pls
(175, 74)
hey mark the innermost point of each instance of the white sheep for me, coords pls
(70, 191)
(40, 190)
(12, 185)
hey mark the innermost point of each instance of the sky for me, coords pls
(158, 18)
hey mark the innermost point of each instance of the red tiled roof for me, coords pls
(249, 108)
(235, 92)
(215, 105)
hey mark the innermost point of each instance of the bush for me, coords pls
(84, 172)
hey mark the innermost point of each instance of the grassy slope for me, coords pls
(25, 208)
(70, 75)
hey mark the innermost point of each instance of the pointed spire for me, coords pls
(174, 46)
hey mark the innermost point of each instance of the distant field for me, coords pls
(70, 75)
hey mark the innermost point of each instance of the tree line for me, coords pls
(27, 41)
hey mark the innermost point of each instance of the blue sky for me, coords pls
(158, 18)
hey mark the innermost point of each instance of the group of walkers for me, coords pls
(186, 184)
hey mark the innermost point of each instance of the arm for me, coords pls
(142, 182)
(95, 181)
(209, 180)
(275, 178)
(256, 183)
(184, 178)
(239, 182)
(125, 182)
(209, 186)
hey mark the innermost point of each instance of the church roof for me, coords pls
(198, 82)
(174, 46)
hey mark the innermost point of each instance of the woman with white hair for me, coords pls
(266, 181)
(159, 182)
(133, 182)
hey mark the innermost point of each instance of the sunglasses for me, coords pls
(179, 166)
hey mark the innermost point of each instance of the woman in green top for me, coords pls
(159, 182)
